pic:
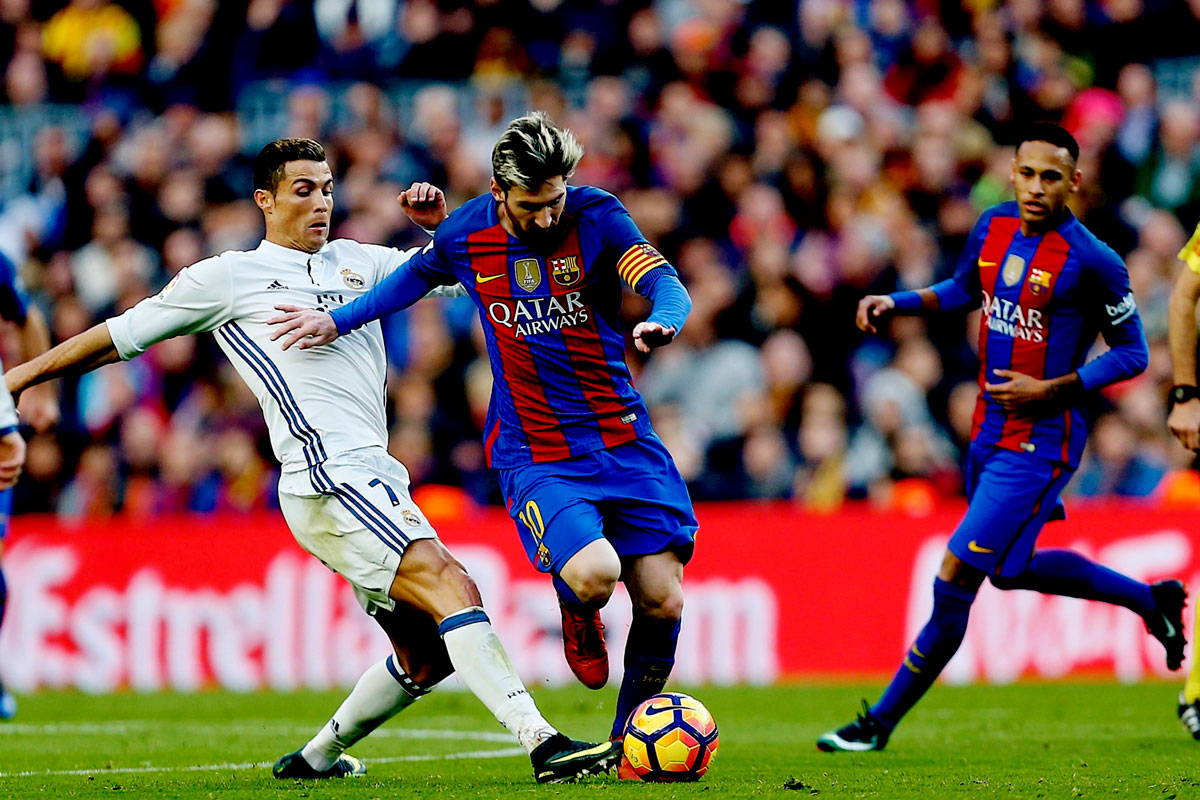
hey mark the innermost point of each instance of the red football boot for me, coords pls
(583, 645)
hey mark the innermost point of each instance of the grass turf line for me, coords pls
(1046, 740)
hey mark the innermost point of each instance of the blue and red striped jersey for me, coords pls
(1044, 300)
(561, 385)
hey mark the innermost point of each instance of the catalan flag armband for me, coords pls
(1190, 254)
(637, 261)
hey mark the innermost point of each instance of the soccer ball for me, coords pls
(670, 737)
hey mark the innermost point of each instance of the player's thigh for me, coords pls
(356, 516)
(647, 508)
(432, 579)
(554, 510)
(1013, 497)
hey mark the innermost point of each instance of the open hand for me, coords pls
(649, 335)
(307, 326)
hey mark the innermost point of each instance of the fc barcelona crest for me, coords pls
(529, 273)
(1014, 268)
(565, 271)
(1039, 280)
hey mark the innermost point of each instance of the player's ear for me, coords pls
(1076, 179)
(497, 192)
(264, 200)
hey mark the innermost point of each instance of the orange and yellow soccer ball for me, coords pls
(670, 737)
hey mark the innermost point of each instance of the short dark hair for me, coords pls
(532, 151)
(1052, 134)
(271, 161)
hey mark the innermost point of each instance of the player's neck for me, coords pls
(505, 222)
(277, 238)
(1040, 227)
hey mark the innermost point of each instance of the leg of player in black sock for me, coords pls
(655, 584)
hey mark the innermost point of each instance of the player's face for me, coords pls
(533, 216)
(1044, 176)
(297, 213)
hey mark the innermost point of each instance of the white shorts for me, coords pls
(355, 514)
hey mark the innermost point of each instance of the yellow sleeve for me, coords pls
(1190, 254)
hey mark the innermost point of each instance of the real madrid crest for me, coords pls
(353, 279)
(1014, 268)
(410, 519)
(529, 273)
(565, 271)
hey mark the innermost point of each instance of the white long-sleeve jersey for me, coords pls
(317, 402)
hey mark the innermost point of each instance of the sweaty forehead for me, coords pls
(316, 171)
(1043, 155)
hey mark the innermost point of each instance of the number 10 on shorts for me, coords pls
(531, 516)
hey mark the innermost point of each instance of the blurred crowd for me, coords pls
(787, 157)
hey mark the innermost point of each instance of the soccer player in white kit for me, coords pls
(344, 497)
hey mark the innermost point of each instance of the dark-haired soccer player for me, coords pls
(345, 499)
(594, 494)
(1047, 286)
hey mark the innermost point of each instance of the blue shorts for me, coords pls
(1010, 497)
(631, 494)
(6, 504)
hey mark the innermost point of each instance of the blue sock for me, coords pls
(935, 645)
(1067, 573)
(649, 657)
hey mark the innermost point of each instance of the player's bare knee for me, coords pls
(593, 572)
(667, 604)
(594, 588)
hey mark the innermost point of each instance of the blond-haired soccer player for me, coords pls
(344, 497)
(1184, 419)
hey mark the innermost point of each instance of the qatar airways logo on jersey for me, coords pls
(1013, 319)
(529, 317)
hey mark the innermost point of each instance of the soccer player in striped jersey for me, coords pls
(1184, 420)
(1047, 287)
(594, 494)
(345, 499)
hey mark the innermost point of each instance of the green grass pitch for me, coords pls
(1051, 740)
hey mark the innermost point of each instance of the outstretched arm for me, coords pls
(669, 311)
(83, 353)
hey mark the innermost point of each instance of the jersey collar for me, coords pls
(287, 254)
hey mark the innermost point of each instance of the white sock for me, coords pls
(379, 695)
(484, 666)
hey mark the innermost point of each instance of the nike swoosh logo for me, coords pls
(1170, 627)
(983, 263)
(481, 279)
(974, 548)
